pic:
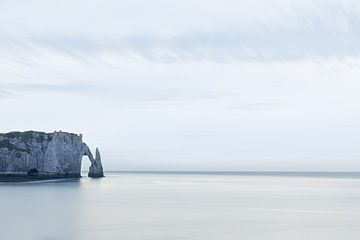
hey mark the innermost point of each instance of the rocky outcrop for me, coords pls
(96, 169)
(39, 154)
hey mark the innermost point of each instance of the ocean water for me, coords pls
(196, 206)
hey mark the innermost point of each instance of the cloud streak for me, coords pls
(266, 45)
(280, 31)
(9, 90)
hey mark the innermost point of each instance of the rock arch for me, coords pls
(95, 169)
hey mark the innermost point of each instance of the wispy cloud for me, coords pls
(274, 31)
(5, 94)
(126, 96)
(12, 88)
(76, 87)
(268, 44)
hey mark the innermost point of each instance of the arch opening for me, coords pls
(33, 172)
(85, 165)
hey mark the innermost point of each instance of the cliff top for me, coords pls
(31, 133)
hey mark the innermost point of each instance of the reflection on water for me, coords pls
(182, 206)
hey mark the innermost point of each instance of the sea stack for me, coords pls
(43, 155)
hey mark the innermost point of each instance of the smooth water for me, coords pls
(174, 206)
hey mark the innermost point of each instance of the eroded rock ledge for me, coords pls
(43, 155)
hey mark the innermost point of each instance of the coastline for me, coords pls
(42, 177)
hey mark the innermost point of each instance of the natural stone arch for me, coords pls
(95, 169)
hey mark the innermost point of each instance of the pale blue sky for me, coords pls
(188, 85)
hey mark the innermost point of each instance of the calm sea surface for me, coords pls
(196, 206)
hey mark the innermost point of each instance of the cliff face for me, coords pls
(57, 154)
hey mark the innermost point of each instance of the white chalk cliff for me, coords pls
(57, 154)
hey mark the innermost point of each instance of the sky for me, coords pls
(188, 84)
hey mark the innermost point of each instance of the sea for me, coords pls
(184, 206)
